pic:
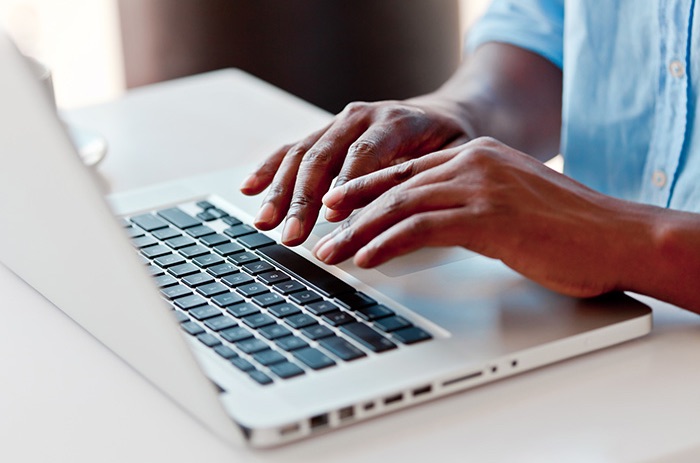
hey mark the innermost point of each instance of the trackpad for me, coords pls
(417, 261)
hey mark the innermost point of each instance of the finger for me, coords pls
(361, 191)
(392, 208)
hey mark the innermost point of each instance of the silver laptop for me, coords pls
(259, 342)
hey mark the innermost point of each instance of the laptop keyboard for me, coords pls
(267, 310)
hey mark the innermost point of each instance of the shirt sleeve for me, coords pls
(535, 25)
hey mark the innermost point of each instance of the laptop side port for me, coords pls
(422, 390)
(289, 429)
(318, 421)
(460, 379)
(346, 413)
(393, 399)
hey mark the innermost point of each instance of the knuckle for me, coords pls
(363, 149)
(403, 171)
(320, 155)
(395, 200)
(418, 224)
(302, 199)
(297, 151)
(356, 107)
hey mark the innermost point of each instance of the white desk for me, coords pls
(64, 397)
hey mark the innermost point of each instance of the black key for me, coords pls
(239, 230)
(354, 301)
(228, 249)
(180, 242)
(367, 337)
(208, 260)
(269, 357)
(183, 270)
(251, 346)
(166, 233)
(169, 260)
(341, 348)
(326, 283)
(286, 370)
(220, 323)
(194, 251)
(148, 222)
(283, 310)
(155, 251)
(290, 343)
(222, 270)
(174, 292)
(155, 271)
(300, 320)
(243, 258)
(313, 358)
(260, 377)
(305, 297)
(230, 220)
(392, 323)
(242, 310)
(321, 307)
(411, 335)
(237, 279)
(218, 213)
(255, 240)
(199, 231)
(205, 205)
(288, 287)
(165, 280)
(214, 240)
(198, 279)
(258, 320)
(236, 334)
(192, 328)
(374, 312)
(204, 312)
(316, 332)
(242, 364)
(252, 289)
(143, 242)
(268, 299)
(179, 218)
(208, 340)
(227, 299)
(274, 331)
(225, 351)
(212, 289)
(205, 217)
(256, 268)
(134, 232)
(274, 277)
(190, 302)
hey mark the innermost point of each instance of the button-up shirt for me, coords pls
(631, 71)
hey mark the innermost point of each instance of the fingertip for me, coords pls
(251, 185)
(265, 219)
(333, 197)
(336, 216)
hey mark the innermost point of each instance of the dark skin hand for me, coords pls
(420, 182)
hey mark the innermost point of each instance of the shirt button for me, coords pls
(677, 69)
(659, 178)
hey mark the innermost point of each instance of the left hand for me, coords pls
(491, 199)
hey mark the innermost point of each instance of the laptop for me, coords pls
(260, 342)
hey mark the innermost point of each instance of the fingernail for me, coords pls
(332, 215)
(325, 251)
(249, 182)
(333, 197)
(320, 243)
(292, 230)
(266, 214)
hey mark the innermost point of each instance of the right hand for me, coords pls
(363, 138)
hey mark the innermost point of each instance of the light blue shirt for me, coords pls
(631, 78)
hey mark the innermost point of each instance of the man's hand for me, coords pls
(365, 137)
(497, 201)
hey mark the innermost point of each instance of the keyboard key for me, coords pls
(208, 340)
(251, 346)
(286, 370)
(236, 334)
(274, 277)
(237, 279)
(243, 258)
(180, 242)
(231, 221)
(341, 348)
(165, 280)
(252, 289)
(207, 260)
(228, 249)
(204, 312)
(169, 260)
(214, 239)
(227, 299)
(194, 251)
(199, 231)
(154, 270)
(174, 292)
(354, 301)
(239, 230)
(205, 217)
(155, 251)
(134, 232)
(260, 377)
(179, 218)
(220, 323)
(305, 297)
(289, 343)
(313, 358)
(205, 205)
(242, 364)
(289, 287)
(283, 310)
(190, 302)
(212, 289)
(367, 337)
(321, 307)
(166, 233)
(269, 357)
(392, 323)
(258, 320)
(316, 332)
(324, 282)
(255, 240)
(218, 213)
(268, 299)
(143, 242)
(222, 270)
(242, 310)
(300, 320)
(192, 328)
(148, 222)
(256, 268)
(411, 335)
(198, 279)
(225, 351)
(374, 312)
(180, 316)
(182, 270)
(274, 331)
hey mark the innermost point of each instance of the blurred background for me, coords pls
(325, 51)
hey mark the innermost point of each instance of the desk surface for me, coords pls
(64, 397)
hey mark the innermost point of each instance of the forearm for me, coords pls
(509, 94)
